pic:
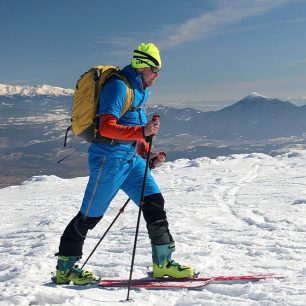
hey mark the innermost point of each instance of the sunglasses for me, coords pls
(155, 69)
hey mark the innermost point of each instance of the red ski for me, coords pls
(183, 283)
(156, 285)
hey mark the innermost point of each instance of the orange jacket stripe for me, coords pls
(111, 129)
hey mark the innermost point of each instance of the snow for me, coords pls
(9, 90)
(256, 95)
(44, 118)
(240, 214)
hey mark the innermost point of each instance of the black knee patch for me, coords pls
(75, 233)
(156, 218)
(82, 223)
(153, 208)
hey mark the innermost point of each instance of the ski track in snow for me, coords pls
(240, 214)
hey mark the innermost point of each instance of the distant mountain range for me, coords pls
(40, 90)
(253, 118)
(34, 119)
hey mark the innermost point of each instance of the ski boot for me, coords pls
(163, 265)
(67, 272)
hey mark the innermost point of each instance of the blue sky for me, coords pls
(214, 52)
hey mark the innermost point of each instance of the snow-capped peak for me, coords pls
(256, 95)
(10, 90)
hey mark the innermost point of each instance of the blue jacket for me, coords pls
(112, 100)
(117, 167)
(113, 96)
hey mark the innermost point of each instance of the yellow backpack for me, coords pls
(84, 118)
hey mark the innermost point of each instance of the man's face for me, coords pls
(149, 76)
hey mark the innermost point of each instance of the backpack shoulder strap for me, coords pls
(129, 92)
(129, 96)
(110, 71)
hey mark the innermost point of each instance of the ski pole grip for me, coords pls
(155, 118)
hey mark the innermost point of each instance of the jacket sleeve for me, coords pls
(111, 129)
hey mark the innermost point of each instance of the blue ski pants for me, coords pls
(110, 172)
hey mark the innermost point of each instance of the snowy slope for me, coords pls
(239, 214)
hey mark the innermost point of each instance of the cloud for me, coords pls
(225, 13)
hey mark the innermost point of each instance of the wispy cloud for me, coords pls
(262, 26)
(225, 13)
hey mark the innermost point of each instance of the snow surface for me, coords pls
(9, 90)
(240, 214)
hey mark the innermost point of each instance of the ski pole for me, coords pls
(155, 118)
(121, 210)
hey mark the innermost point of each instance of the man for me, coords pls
(115, 164)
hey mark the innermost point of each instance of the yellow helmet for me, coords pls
(147, 55)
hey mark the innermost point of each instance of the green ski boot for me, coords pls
(163, 265)
(67, 272)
